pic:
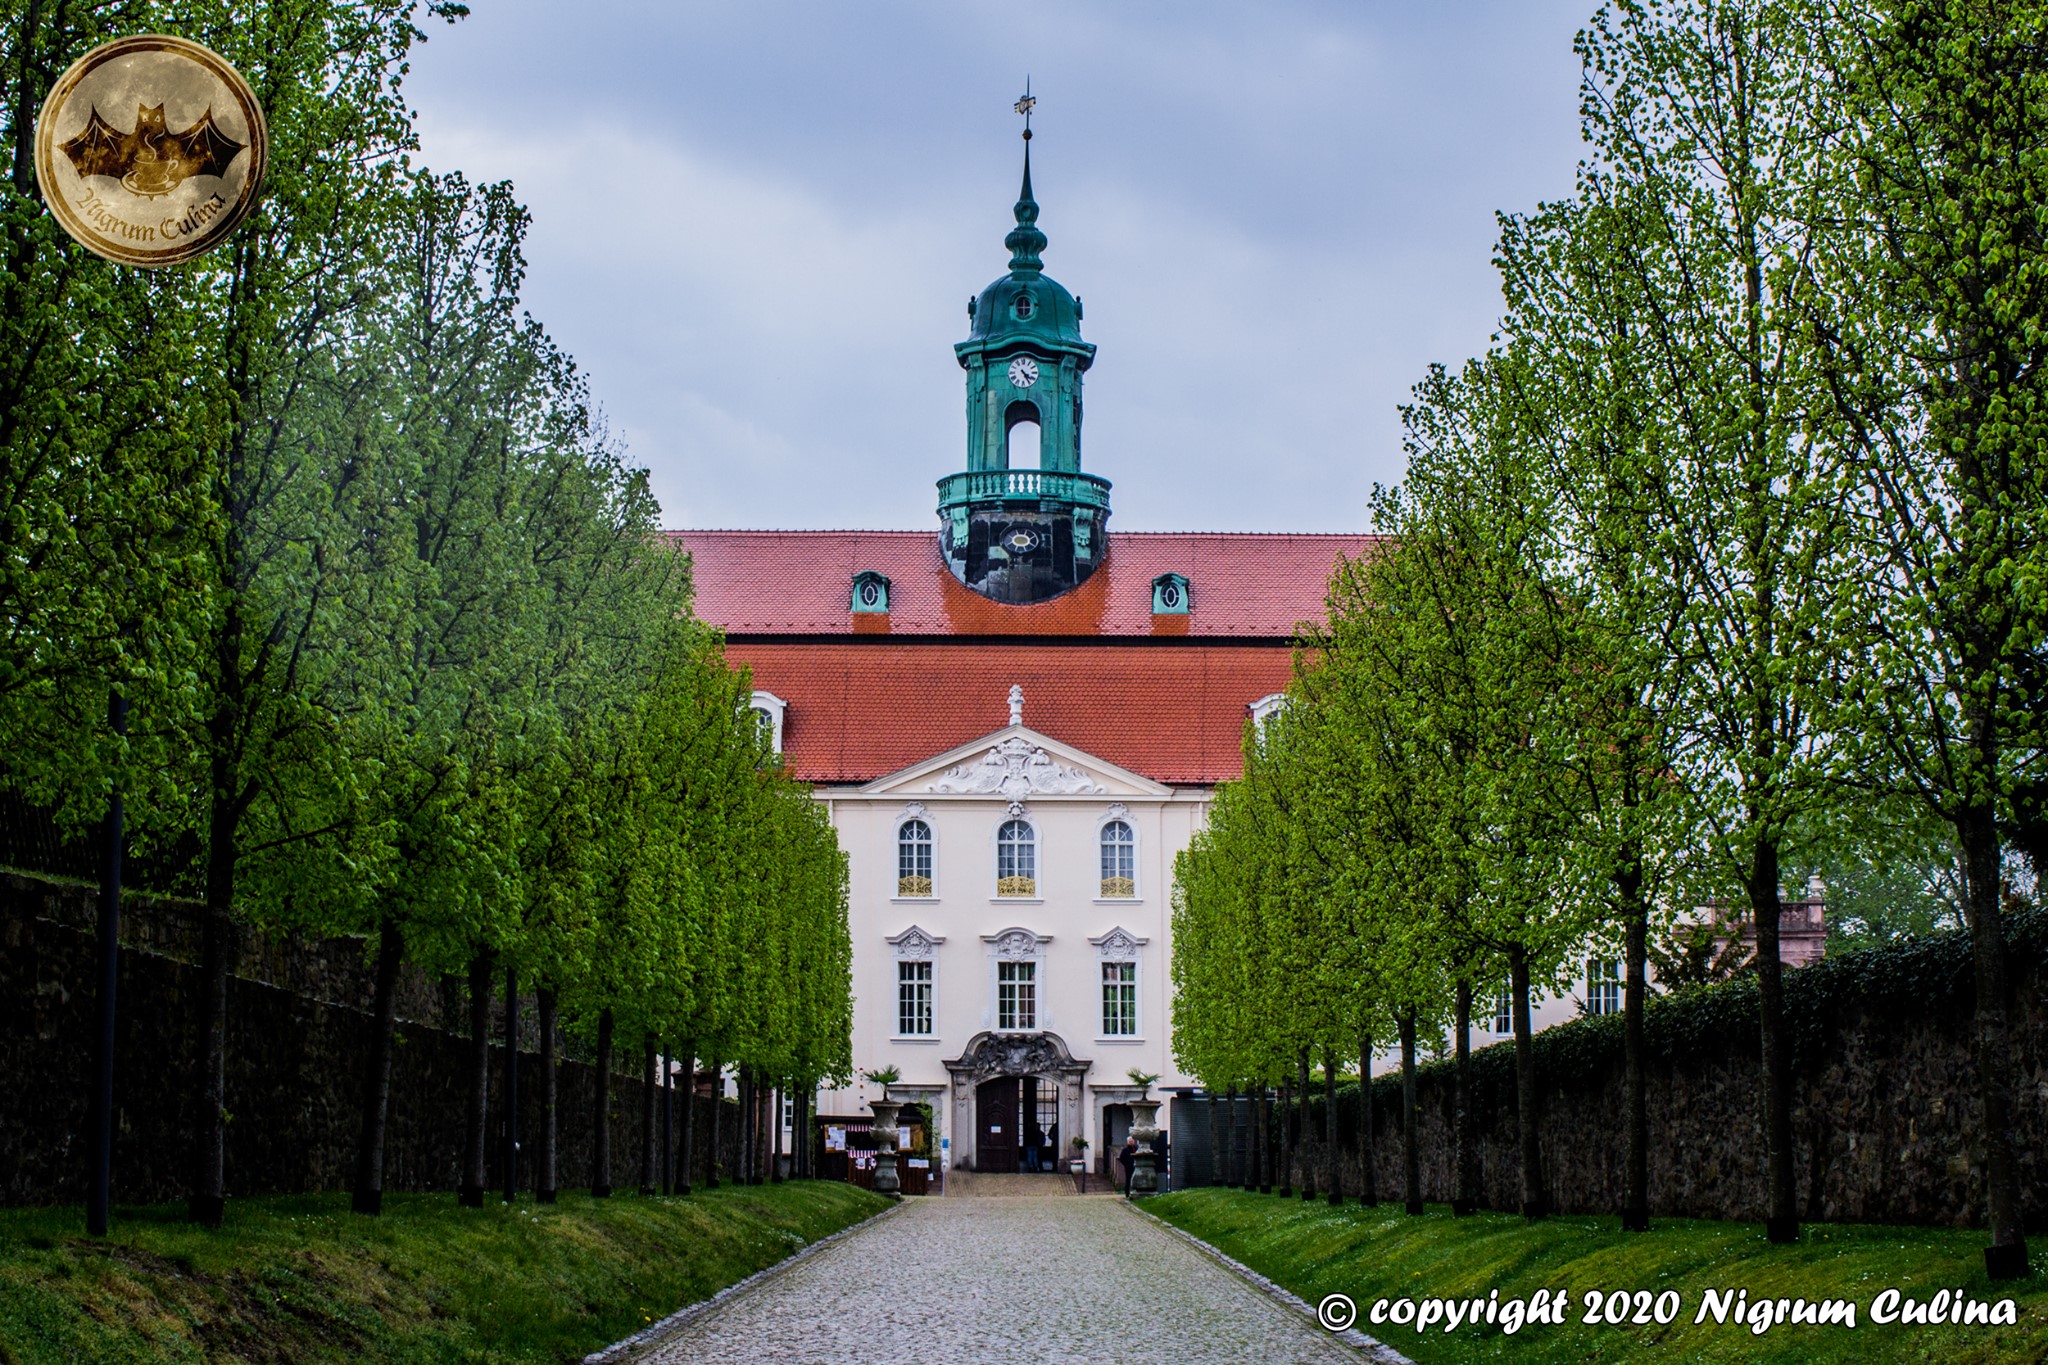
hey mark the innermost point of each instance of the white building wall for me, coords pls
(964, 911)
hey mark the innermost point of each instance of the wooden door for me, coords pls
(995, 1117)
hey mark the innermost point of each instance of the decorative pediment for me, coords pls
(912, 811)
(915, 945)
(1017, 768)
(1015, 1054)
(1015, 945)
(1119, 945)
(1014, 764)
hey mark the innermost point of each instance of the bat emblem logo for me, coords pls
(151, 160)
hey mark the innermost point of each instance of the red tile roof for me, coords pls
(861, 709)
(800, 583)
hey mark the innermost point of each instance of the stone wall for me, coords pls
(298, 1032)
(1885, 1121)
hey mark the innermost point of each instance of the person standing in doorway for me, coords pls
(1034, 1143)
(1128, 1159)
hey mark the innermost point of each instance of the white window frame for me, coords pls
(1503, 1020)
(915, 813)
(1117, 814)
(1267, 707)
(1120, 946)
(1020, 978)
(1017, 945)
(914, 974)
(913, 945)
(1603, 985)
(1016, 815)
(773, 707)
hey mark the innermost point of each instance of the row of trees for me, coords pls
(392, 644)
(1728, 553)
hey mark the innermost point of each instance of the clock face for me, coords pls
(1023, 372)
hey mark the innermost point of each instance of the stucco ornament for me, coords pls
(1119, 945)
(915, 944)
(1016, 768)
(1016, 945)
(1015, 1055)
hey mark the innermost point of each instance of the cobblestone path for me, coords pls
(1010, 1280)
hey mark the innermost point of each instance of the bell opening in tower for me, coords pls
(1022, 522)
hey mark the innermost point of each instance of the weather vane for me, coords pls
(1025, 106)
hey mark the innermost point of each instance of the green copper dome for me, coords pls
(1023, 522)
(1026, 306)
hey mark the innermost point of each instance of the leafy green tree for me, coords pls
(1934, 369)
(1691, 113)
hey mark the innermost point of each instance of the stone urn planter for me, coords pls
(885, 1145)
(1145, 1128)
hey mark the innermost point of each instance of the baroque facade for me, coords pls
(1016, 723)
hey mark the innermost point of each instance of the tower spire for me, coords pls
(1025, 240)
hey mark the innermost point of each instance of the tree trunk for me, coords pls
(477, 1120)
(601, 1119)
(216, 958)
(1411, 1154)
(743, 1159)
(758, 1106)
(107, 961)
(1330, 1127)
(1262, 1141)
(510, 1154)
(1527, 1100)
(717, 1124)
(647, 1083)
(1781, 1220)
(666, 1162)
(1464, 1141)
(1283, 1179)
(546, 1186)
(1635, 1194)
(1368, 1159)
(687, 1160)
(775, 1134)
(369, 1191)
(1215, 1142)
(1308, 1173)
(799, 1132)
(1232, 1168)
(2006, 1257)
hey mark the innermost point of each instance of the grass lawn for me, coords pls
(301, 1278)
(1380, 1253)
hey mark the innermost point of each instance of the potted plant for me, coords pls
(1080, 1161)
(886, 1076)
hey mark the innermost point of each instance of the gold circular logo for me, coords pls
(151, 149)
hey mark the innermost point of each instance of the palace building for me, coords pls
(1016, 721)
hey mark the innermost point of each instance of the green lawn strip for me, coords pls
(303, 1279)
(1370, 1254)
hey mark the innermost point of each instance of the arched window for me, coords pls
(914, 858)
(1016, 859)
(1119, 861)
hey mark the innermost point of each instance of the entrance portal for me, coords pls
(995, 1125)
(1003, 1085)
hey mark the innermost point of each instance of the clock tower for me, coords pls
(1022, 523)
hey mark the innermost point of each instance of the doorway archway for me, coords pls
(989, 1084)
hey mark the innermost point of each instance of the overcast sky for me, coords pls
(756, 226)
